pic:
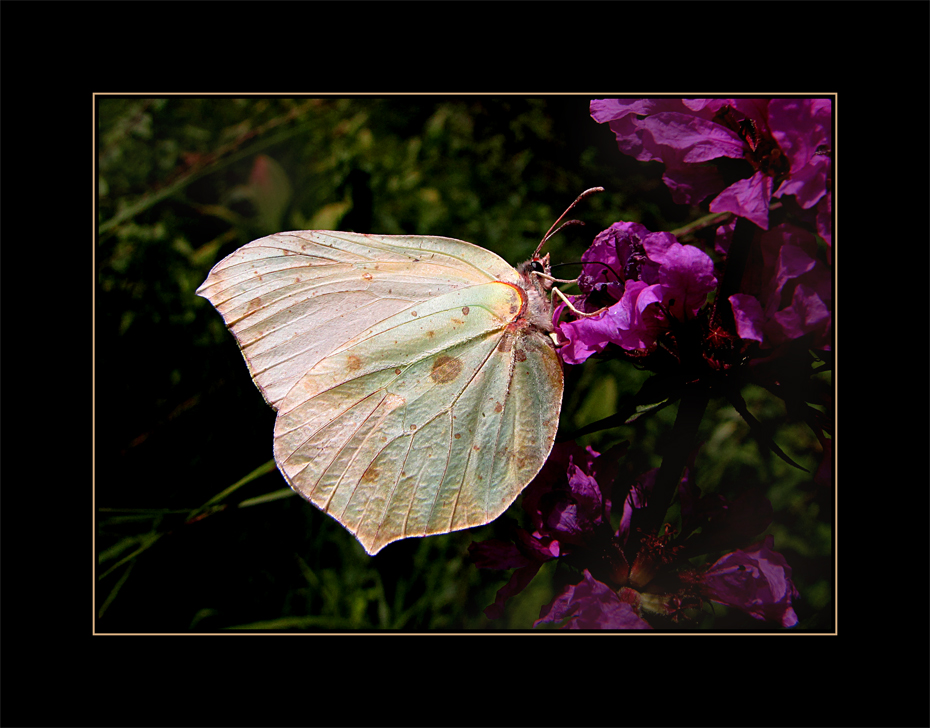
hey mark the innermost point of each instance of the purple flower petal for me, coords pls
(724, 236)
(788, 140)
(642, 268)
(585, 337)
(757, 581)
(794, 288)
(636, 500)
(609, 109)
(802, 127)
(686, 274)
(749, 316)
(700, 139)
(614, 256)
(807, 313)
(747, 198)
(623, 122)
(808, 184)
(565, 500)
(591, 605)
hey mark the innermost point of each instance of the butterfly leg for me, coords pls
(556, 291)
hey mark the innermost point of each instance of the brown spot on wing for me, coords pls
(465, 310)
(519, 355)
(523, 456)
(254, 304)
(353, 363)
(445, 369)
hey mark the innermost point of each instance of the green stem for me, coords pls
(684, 436)
(715, 218)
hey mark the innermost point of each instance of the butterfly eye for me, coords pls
(537, 266)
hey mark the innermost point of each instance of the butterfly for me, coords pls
(416, 382)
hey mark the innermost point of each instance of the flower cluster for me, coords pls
(643, 281)
(759, 312)
(627, 577)
(787, 294)
(647, 283)
(786, 142)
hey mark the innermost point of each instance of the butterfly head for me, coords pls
(537, 273)
(538, 265)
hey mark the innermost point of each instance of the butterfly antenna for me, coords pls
(578, 199)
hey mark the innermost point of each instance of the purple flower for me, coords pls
(646, 280)
(636, 122)
(756, 581)
(630, 574)
(788, 294)
(803, 130)
(590, 604)
(787, 143)
(565, 501)
(565, 504)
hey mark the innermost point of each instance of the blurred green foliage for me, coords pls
(182, 182)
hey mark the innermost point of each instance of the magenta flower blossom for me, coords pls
(647, 280)
(787, 142)
(789, 294)
(756, 580)
(591, 605)
(630, 576)
(565, 504)
(565, 501)
(644, 298)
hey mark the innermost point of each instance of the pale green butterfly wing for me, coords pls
(414, 396)
(396, 444)
(292, 298)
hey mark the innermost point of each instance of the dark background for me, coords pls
(185, 181)
(824, 46)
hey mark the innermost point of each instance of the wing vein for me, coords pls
(393, 487)
(458, 491)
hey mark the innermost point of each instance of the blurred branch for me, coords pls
(220, 159)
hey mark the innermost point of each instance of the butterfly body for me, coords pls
(417, 389)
